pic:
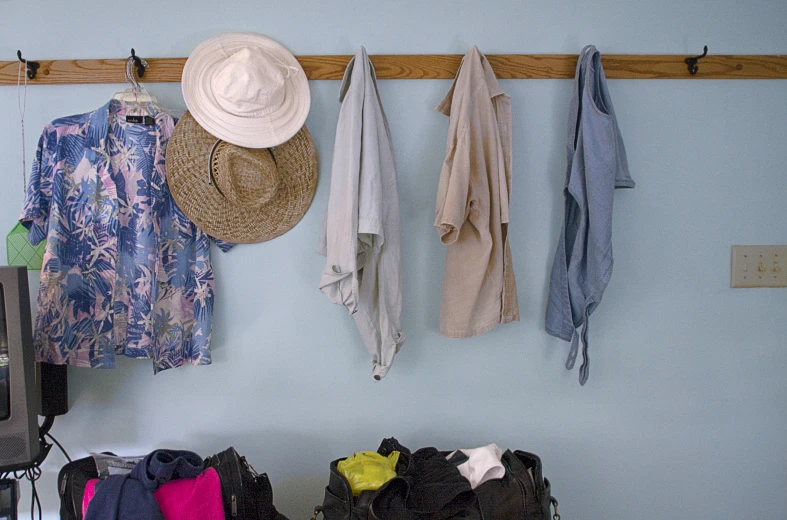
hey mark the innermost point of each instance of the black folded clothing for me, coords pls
(431, 489)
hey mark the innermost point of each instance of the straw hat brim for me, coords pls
(265, 131)
(188, 174)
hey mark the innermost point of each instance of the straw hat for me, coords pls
(240, 195)
(246, 89)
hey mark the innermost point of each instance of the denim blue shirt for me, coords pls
(597, 165)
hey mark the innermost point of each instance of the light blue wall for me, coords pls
(686, 410)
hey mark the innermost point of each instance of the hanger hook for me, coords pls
(692, 61)
(30, 66)
(139, 63)
(130, 77)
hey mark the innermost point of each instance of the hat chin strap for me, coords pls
(211, 179)
(291, 71)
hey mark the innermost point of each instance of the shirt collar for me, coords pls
(98, 128)
(491, 79)
(361, 59)
(478, 69)
(98, 125)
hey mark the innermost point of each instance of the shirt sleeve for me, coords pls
(339, 279)
(453, 192)
(339, 243)
(224, 246)
(370, 189)
(38, 197)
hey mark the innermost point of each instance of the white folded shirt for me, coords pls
(482, 464)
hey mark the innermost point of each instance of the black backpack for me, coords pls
(71, 483)
(246, 495)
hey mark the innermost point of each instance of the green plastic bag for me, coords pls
(20, 252)
(368, 471)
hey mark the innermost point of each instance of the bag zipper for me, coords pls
(239, 486)
(521, 487)
(63, 486)
(77, 512)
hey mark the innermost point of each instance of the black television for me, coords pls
(19, 393)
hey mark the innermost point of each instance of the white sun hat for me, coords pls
(246, 89)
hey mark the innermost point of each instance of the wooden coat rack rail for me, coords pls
(430, 66)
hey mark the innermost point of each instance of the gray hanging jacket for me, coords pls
(596, 166)
(362, 236)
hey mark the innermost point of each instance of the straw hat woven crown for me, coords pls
(240, 195)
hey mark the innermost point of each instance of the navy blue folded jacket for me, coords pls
(130, 497)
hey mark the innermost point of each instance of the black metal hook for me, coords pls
(138, 63)
(692, 61)
(30, 66)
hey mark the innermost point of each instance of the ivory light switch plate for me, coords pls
(759, 266)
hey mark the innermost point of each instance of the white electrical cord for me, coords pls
(21, 103)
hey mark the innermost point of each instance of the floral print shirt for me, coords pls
(125, 272)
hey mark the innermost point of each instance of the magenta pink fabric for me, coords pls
(186, 499)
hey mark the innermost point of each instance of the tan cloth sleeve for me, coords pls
(454, 191)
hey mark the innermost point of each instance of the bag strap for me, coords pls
(553, 501)
(318, 510)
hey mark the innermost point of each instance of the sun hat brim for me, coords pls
(265, 131)
(188, 158)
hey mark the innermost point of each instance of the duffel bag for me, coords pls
(523, 493)
(247, 495)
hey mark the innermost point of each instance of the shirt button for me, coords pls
(336, 269)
